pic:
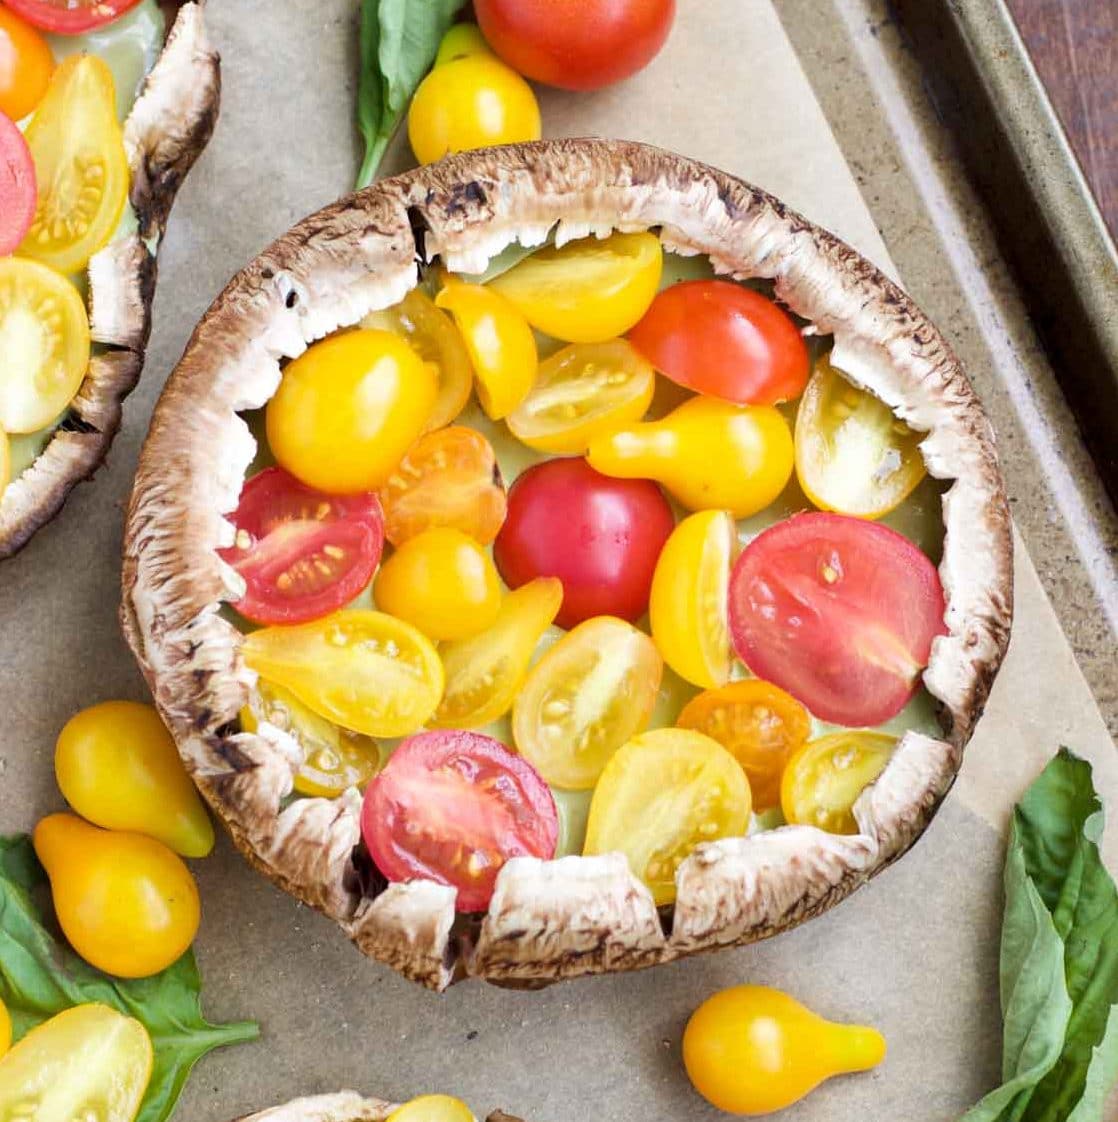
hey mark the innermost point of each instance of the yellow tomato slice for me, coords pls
(758, 724)
(589, 694)
(363, 670)
(433, 336)
(484, 674)
(583, 391)
(500, 343)
(80, 166)
(432, 1108)
(334, 759)
(87, 1062)
(853, 455)
(588, 291)
(823, 780)
(688, 604)
(44, 341)
(662, 794)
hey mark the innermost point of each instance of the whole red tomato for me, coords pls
(576, 44)
(600, 536)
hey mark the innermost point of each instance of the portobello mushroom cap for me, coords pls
(342, 1106)
(169, 125)
(576, 915)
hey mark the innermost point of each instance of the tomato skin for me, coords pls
(838, 611)
(618, 525)
(18, 193)
(726, 341)
(26, 63)
(70, 18)
(453, 807)
(433, 1108)
(576, 44)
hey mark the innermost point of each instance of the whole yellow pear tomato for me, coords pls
(126, 903)
(118, 767)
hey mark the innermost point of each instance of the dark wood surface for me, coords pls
(1074, 44)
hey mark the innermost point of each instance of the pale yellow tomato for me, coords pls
(348, 409)
(432, 1108)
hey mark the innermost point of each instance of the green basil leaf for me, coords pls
(39, 977)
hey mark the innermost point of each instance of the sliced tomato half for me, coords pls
(303, 553)
(18, 193)
(453, 807)
(70, 17)
(839, 612)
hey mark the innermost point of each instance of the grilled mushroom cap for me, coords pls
(344, 1106)
(576, 915)
(168, 127)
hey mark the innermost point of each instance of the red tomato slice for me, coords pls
(70, 17)
(453, 807)
(303, 553)
(18, 193)
(839, 612)
(724, 340)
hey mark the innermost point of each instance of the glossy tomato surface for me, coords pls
(576, 44)
(17, 186)
(302, 553)
(601, 537)
(26, 63)
(70, 17)
(453, 807)
(839, 612)
(721, 339)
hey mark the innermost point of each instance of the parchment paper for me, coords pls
(914, 953)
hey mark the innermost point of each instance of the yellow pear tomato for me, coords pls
(432, 1108)
(348, 409)
(126, 903)
(688, 607)
(501, 344)
(661, 795)
(118, 767)
(463, 40)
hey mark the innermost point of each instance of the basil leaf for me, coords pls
(398, 43)
(40, 977)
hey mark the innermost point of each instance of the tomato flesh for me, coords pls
(839, 612)
(70, 17)
(302, 553)
(453, 807)
(17, 187)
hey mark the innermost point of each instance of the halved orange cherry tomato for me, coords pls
(18, 193)
(838, 611)
(363, 670)
(590, 693)
(823, 780)
(447, 478)
(583, 391)
(589, 290)
(687, 608)
(758, 724)
(661, 795)
(501, 345)
(302, 553)
(80, 166)
(453, 807)
(26, 63)
(70, 17)
(435, 339)
(484, 674)
(853, 455)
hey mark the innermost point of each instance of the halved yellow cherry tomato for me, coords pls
(463, 40)
(26, 63)
(589, 694)
(432, 1108)
(88, 1062)
(5, 1029)
(853, 455)
(80, 166)
(442, 582)
(583, 391)
(823, 780)
(501, 344)
(348, 409)
(687, 608)
(485, 673)
(363, 670)
(334, 759)
(588, 291)
(759, 724)
(435, 339)
(664, 793)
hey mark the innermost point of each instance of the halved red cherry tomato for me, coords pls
(70, 17)
(601, 537)
(18, 193)
(302, 553)
(839, 612)
(724, 340)
(453, 807)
